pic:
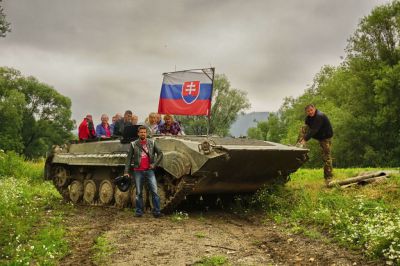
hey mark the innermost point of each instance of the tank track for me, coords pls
(64, 192)
(184, 188)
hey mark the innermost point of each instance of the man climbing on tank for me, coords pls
(318, 126)
(141, 161)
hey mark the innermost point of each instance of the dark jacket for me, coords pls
(320, 127)
(119, 127)
(135, 152)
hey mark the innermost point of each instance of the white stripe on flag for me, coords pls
(180, 77)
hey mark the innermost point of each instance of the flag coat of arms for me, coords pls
(186, 92)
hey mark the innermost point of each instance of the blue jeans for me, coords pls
(152, 182)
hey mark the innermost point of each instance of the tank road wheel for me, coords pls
(90, 190)
(76, 191)
(121, 198)
(106, 192)
(60, 177)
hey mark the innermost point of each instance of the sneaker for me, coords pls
(138, 215)
(158, 215)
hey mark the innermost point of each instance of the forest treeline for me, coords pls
(33, 115)
(361, 97)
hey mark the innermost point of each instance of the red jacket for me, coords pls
(86, 130)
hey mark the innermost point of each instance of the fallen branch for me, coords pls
(214, 246)
(377, 179)
(365, 178)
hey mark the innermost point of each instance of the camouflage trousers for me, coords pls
(326, 145)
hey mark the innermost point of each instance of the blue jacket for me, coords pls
(101, 131)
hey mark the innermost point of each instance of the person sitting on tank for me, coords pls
(151, 123)
(86, 129)
(103, 129)
(135, 119)
(181, 126)
(121, 123)
(131, 130)
(141, 162)
(170, 127)
(130, 133)
(159, 120)
(115, 118)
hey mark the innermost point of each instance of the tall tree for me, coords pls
(4, 25)
(258, 132)
(227, 103)
(361, 96)
(373, 62)
(12, 103)
(42, 118)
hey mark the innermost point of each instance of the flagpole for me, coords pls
(209, 114)
(208, 125)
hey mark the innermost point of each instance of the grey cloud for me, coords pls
(108, 56)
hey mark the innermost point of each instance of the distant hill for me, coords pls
(245, 121)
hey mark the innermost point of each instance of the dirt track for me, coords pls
(149, 241)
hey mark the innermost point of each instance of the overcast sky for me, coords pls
(109, 56)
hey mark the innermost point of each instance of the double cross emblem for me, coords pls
(190, 91)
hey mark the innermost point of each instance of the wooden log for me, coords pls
(377, 179)
(360, 178)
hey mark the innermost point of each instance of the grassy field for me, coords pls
(364, 218)
(31, 230)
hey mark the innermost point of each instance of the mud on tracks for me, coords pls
(164, 241)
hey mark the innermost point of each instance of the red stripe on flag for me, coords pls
(179, 107)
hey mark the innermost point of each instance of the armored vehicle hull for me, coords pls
(191, 165)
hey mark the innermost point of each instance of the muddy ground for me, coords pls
(166, 241)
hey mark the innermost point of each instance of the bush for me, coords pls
(13, 165)
(365, 218)
(30, 231)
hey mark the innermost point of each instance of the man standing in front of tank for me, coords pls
(318, 126)
(142, 160)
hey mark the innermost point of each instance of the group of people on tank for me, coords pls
(121, 126)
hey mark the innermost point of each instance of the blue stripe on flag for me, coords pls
(169, 91)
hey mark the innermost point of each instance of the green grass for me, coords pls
(364, 218)
(212, 261)
(200, 235)
(102, 251)
(30, 214)
(12, 165)
(179, 216)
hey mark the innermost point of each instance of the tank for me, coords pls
(204, 166)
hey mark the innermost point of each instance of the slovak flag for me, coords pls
(186, 92)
